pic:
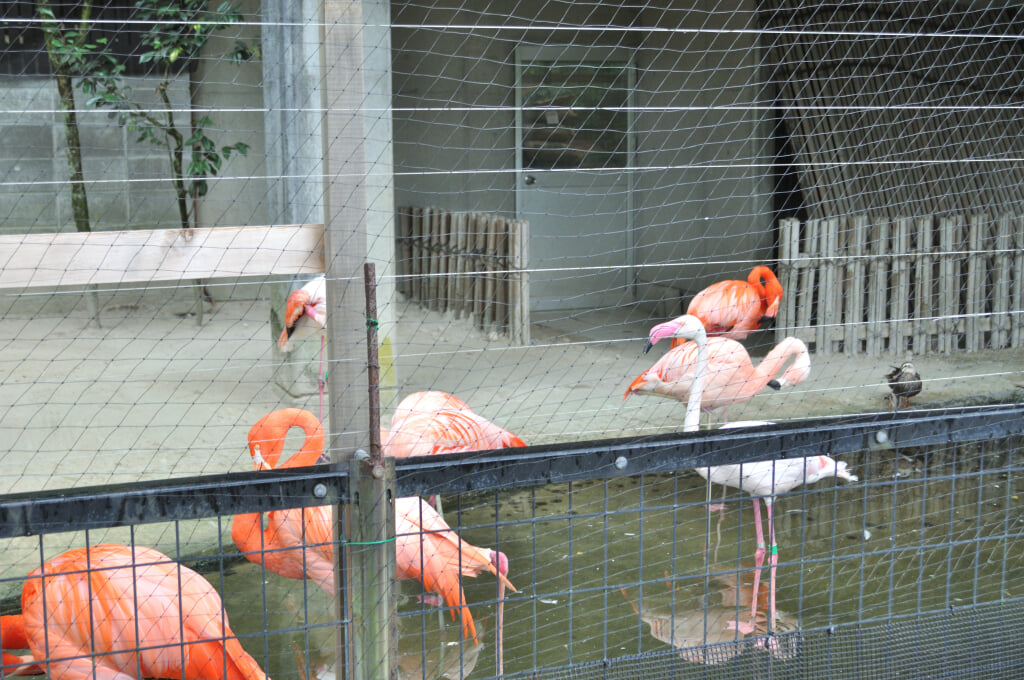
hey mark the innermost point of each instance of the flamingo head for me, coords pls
(824, 467)
(687, 327)
(500, 562)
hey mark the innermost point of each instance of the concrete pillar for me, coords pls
(359, 211)
(294, 167)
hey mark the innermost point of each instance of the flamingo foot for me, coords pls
(431, 600)
(744, 627)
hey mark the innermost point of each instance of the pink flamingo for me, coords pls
(435, 422)
(731, 377)
(306, 315)
(762, 479)
(111, 612)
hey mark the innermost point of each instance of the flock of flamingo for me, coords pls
(115, 612)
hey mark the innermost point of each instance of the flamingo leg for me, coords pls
(748, 627)
(758, 557)
(773, 560)
(500, 642)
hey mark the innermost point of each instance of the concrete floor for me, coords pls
(151, 395)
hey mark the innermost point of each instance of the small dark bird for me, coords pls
(905, 382)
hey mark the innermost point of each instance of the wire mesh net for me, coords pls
(831, 192)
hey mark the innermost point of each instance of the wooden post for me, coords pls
(1017, 296)
(459, 277)
(1002, 275)
(519, 283)
(975, 299)
(805, 288)
(829, 302)
(901, 288)
(853, 290)
(923, 307)
(878, 294)
(356, 77)
(949, 284)
(369, 571)
(789, 248)
(405, 250)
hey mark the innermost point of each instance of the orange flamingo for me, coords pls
(111, 612)
(434, 422)
(731, 378)
(733, 309)
(297, 543)
(12, 635)
(427, 550)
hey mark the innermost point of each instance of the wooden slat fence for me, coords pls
(473, 265)
(865, 284)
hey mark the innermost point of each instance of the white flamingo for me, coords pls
(762, 479)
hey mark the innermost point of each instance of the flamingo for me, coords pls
(762, 479)
(435, 422)
(733, 309)
(306, 315)
(111, 612)
(426, 549)
(731, 377)
(297, 543)
(12, 636)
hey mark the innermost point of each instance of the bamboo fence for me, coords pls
(472, 265)
(863, 284)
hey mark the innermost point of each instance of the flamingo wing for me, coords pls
(728, 308)
(138, 610)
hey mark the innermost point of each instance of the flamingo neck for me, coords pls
(691, 422)
(774, 361)
(267, 437)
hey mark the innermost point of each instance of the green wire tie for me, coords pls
(775, 550)
(372, 323)
(386, 540)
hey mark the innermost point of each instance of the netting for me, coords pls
(807, 211)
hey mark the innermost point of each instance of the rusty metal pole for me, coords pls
(369, 545)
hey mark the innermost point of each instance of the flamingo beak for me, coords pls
(258, 460)
(648, 346)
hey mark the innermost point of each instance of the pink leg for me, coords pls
(773, 560)
(758, 557)
(500, 649)
(748, 628)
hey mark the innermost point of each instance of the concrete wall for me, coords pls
(464, 160)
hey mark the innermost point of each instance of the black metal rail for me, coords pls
(98, 507)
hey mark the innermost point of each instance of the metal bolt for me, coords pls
(881, 436)
(621, 463)
(831, 630)
(320, 491)
(378, 472)
(360, 454)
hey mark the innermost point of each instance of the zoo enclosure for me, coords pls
(925, 544)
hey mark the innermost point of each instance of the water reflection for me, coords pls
(685, 619)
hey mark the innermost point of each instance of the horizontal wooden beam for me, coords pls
(104, 257)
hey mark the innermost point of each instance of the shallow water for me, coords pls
(608, 569)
